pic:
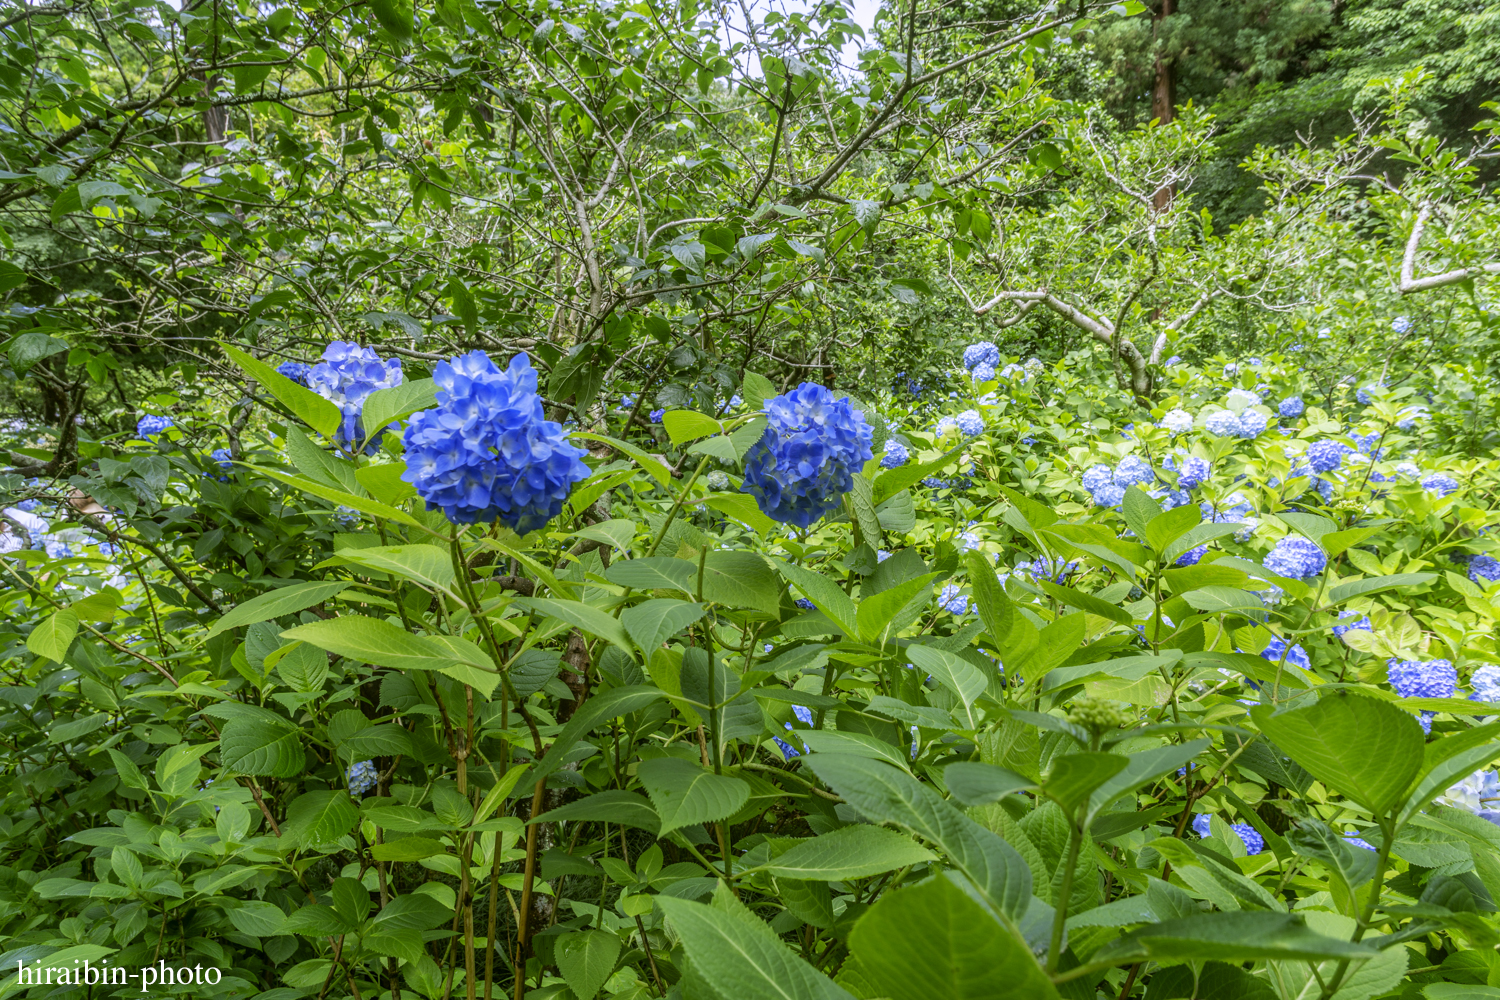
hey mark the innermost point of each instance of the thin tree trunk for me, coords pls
(1163, 91)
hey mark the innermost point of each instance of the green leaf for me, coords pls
(27, 349)
(1139, 510)
(741, 580)
(849, 852)
(975, 784)
(653, 622)
(743, 509)
(858, 744)
(1352, 866)
(255, 746)
(384, 407)
(586, 959)
(756, 389)
(362, 504)
(582, 616)
(408, 849)
(877, 612)
(1087, 602)
(685, 793)
(312, 409)
(887, 795)
(607, 705)
(395, 17)
(1460, 991)
(1140, 769)
(653, 467)
(1075, 777)
(429, 565)
(1449, 760)
(1198, 536)
(282, 601)
(736, 955)
(177, 767)
(1366, 749)
(654, 573)
(318, 818)
(1358, 588)
(826, 595)
(614, 805)
(995, 608)
(933, 941)
(893, 481)
(689, 425)
(1235, 936)
(257, 918)
(51, 639)
(953, 672)
(1165, 528)
(378, 642)
(375, 741)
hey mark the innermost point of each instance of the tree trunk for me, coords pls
(1163, 90)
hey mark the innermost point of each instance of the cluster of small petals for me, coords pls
(1238, 399)
(1484, 569)
(223, 458)
(1296, 558)
(1013, 371)
(1134, 470)
(1294, 654)
(1033, 366)
(718, 479)
(487, 452)
(951, 601)
(1422, 678)
(1325, 456)
(1253, 423)
(1440, 484)
(970, 423)
(1408, 417)
(1479, 794)
(805, 604)
(805, 461)
(149, 426)
(1109, 495)
(981, 353)
(1194, 473)
(1291, 407)
(1360, 623)
(1486, 683)
(1177, 421)
(895, 454)
(1253, 841)
(1231, 370)
(1401, 324)
(1096, 477)
(1362, 394)
(985, 372)
(346, 377)
(655, 415)
(1192, 556)
(1223, 423)
(1044, 569)
(294, 370)
(944, 427)
(362, 777)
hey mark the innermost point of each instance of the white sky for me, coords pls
(861, 11)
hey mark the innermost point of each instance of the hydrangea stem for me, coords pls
(681, 496)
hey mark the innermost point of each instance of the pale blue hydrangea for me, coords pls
(1407, 419)
(1401, 324)
(486, 451)
(983, 352)
(1177, 421)
(1033, 367)
(1296, 558)
(984, 373)
(1238, 399)
(151, 425)
(346, 518)
(1486, 683)
(1440, 484)
(1231, 370)
(1325, 456)
(1246, 529)
(362, 778)
(951, 601)
(1097, 477)
(803, 713)
(1291, 407)
(718, 479)
(1134, 471)
(294, 370)
(1422, 679)
(1109, 495)
(881, 555)
(895, 454)
(1408, 470)
(1253, 423)
(1295, 654)
(1223, 423)
(1362, 394)
(1361, 623)
(1194, 472)
(1013, 371)
(945, 426)
(346, 377)
(805, 604)
(1192, 556)
(1057, 571)
(1478, 793)
(970, 423)
(805, 462)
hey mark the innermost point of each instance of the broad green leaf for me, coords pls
(257, 918)
(377, 642)
(317, 818)
(1359, 588)
(1074, 777)
(618, 532)
(689, 425)
(1165, 528)
(886, 795)
(255, 746)
(177, 767)
(408, 849)
(1366, 749)
(1198, 536)
(826, 595)
(933, 941)
(586, 959)
(893, 481)
(685, 793)
(742, 508)
(375, 741)
(362, 504)
(1336, 542)
(1141, 768)
(282, 601)
(756, 389)
(428, 565)
(1087, 602)
(876, 612)
(654, 573)
(741, 580)
(653, 622)
(1235, 936)
(312, 409)
(1449, 760)
(384, 407)
(849, 852)
(1460, 991)
(607, 705)
(1380, 975)
(975, 784)
(582, 616)
(990, 600)
(1353, 866)
(739, 956)
(614, 805)
(51, 639)
(497, 794)
(653, 467)
(858, 744)
(953, 672)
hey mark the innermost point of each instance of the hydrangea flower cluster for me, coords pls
(1440, 484)
(1253, 841)
(346, 377)
(1422, 679)
(1057, 571)
(1296, 558)
(805, 604)
(1362, 623)
(951, 601)
(1293, 654)
(1401, 324)
(1325, 456)
(1407, 419)
(1484, 569)
(655, 415)
(294, 370)
(805, 462)
(1479, 793)
(985, 372)
(1486, 683)
(149, 426)
(1239, 399)
(1134, 470)
(1292, 407)
(1362, 394)
(1226, 423)
(718, 479)
(1177, 421)
(362, 777)
(486, 451)
(970, 423)
(1192, 556)
(981, 353)
(895, 454)
(1194, 473)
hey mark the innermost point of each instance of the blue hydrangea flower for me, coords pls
(1192, 556)
(1011, 371)
(1408, 470)
(346, 517)
(945, 426)
(1362, 394)
(1177, 421)
(980, 353)
(1291, 407)
(1295, 654)
(223, 458)
(895, 455)
(805, 462)
(968, 541)
(1296, 558)
(149, 426)
(1354, 840)
(294, 370)
(984, 372)
(1325, 456)
(803, 714)
(1362, 623)
(1195, 472)
(1484, 569)
(1486, 683)
(881, 555)
(1043, 569)
(1134, 470)
(805, 604)
(1223, 423)
(1407, 419)
(951, 601)
(970, 423)
(1440, 484)
(346, 377)
(1231, 370)
(362, 777)
(718, 479)
(1097, 477)
(1238, 399)
(1401, 324)
(787, 750)
(1109, 495)
(487, 452)
(655, 415)
(1253, 841)
(1419, 679)
(1252, 424)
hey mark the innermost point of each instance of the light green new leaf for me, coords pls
(429, 565)
(743, 509)
(849, 852)
(54, 635)
(312, 409)
(685, 793)
(878, 611)
(1366, 749)
(953, 672)
(739, 956)
(387, 406)
(177, 767)
(1358, 588)
(586, 959)
(281, 601)
(741, 581)
(683, 426)
(582, 616)
(374, 641)
(933, 941)
(826, 595)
